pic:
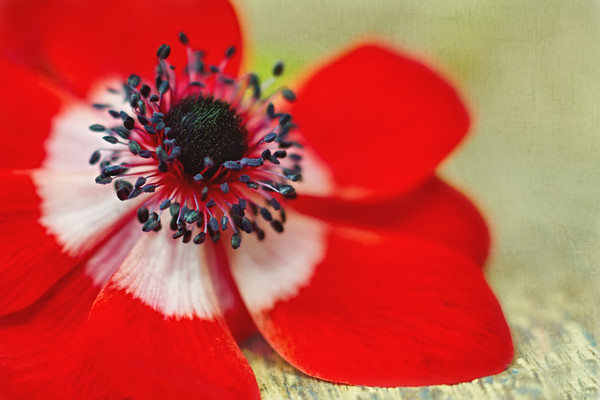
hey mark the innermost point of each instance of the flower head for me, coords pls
(375, 280)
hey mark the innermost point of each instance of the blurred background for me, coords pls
(530, 71)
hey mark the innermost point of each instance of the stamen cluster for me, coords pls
(209, 151)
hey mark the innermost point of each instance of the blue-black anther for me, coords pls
(163, 51)
(236, 241)
(224, 222)
(200, 238)
(97, 128)
(95, 157)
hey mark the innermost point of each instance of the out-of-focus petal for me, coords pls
(78, 42)
(379, 121)
(158, 329)
(51, 221)
(40, 356)
(374, 308)
(435, 212)
(27, 106)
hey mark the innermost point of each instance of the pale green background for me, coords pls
(531, 73)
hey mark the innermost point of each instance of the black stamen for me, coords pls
(133, 80)
(266, 214)
(103, 179)
(143, 214)
(183, 39)
(270, 137)
(174, 209)
(200, 238)
(145, 90)
(214, 224)
(275, 204)
(287, 191)
(178, 234)
(129, 122)
(284, 119)
(110, 139)
(288, 95)
(114, 170)
(278, 68)
(277, 226)
(134, 147)
(97, 128)
(246, 225)
(230, 52)
(95, 157)
(163, 51)
(236, 241)
(165, 204)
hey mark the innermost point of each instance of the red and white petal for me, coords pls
(31, 259)
(38, 347)
(276, 269)
(158, 329)
(379, 309)
(435, 212)
(234, 310)
(77, 42)
(70, 143)
(169, 277)
(379, 120)
(54, 216)
(51, 222)
(27, 108)
(77, 211)
(44, 126)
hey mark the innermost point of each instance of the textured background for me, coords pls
(531, 72)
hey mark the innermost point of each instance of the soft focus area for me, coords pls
(530, 71)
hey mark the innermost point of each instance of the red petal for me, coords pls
(78, 42)
(435, 212)
(37, 343)
(235, 312)
(26, 110)
(381, 121)
(151, 356)
(42, 236)
(384, 310)
(31, 260)
(126, 350)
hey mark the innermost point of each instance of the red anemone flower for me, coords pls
(371, 276)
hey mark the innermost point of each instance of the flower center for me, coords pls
(205, 127)
(206, 151)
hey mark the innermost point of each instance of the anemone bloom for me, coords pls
(371, 276)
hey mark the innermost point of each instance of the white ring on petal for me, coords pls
(73, 207)
(76, 210)
(169, 276)
(278, 267)
(71, 143)
(103, 264)
(316, 176)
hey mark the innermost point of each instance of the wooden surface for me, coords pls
(530, 70)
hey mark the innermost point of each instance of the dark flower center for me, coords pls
(210, 153)
(206, 128)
